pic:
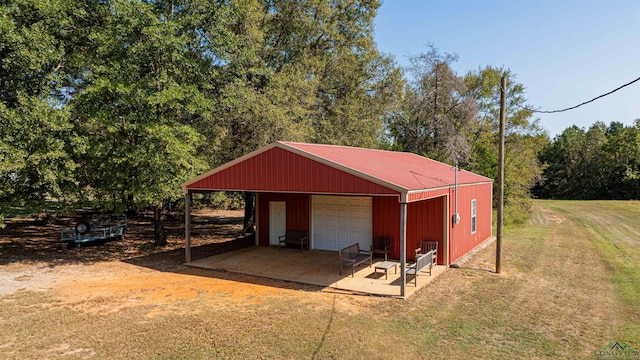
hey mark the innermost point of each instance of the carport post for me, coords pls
(187, 226)
(403, 248)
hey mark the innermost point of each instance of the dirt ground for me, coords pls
(132, 272)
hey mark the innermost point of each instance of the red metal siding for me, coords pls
(425, 222)
(278, 170)
(424, 219)
(386, 221)
(462, 240)
(297, 213)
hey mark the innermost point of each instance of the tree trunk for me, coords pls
(249, 213)
(159, 232)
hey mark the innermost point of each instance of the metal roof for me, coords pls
(407, 171)
(399, 171)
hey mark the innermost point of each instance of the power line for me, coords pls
(586, 102)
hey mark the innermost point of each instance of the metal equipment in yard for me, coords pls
(101, 228)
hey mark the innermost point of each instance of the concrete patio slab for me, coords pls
(316, 267)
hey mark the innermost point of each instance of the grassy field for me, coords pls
(570, 285)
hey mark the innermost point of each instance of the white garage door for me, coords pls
(340, 221)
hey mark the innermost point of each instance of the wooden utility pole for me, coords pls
(503, 89)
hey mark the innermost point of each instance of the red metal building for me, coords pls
(342, 195)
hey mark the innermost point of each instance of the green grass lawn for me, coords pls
(570, 284)
(614, 229)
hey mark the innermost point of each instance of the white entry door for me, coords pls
(340, 221)
(277, 220)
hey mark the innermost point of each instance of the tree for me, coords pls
(144, 89)
(591, 180)
(299, 71)
(564, 160)
(302, 71)
(120, 101)
(621, 151)
(38, 41)
(444, 116)
(524, 138)
(437, 115)
(601, 163)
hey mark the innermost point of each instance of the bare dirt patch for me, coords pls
(107, 278)
(32, 257)
(114, 286)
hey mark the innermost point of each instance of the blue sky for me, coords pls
(564, 51)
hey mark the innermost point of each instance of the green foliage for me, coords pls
(524, 139)
(137, 113)
(444, 116)
(306, 71)
(219, 200)
(600, 163)
(145, 89)
(119, 102)
(37, 137)
(36, 147)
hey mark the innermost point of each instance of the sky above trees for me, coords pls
(563, 52)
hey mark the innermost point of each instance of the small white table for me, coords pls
(386, 265)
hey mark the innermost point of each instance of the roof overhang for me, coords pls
(404, 194)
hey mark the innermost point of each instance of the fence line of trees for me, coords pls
(602, 162)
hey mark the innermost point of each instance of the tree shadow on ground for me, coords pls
(36, 239)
